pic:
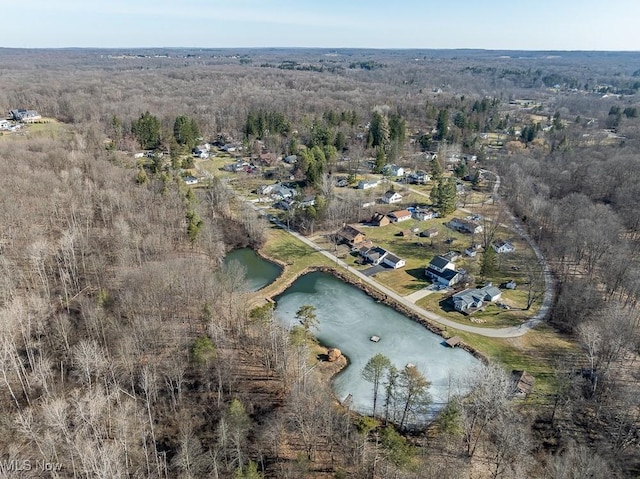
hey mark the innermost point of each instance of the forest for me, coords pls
(128, 349)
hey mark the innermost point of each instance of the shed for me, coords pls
(523, 383)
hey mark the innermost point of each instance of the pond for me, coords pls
(348, 318)
(259, 271)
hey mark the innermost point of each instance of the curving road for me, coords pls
(510, 332)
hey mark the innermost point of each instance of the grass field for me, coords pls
(537, 352)
(47, 127)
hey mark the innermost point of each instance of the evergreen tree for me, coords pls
(397, 128)
(381, 160)
(147, 131)
(488, 264)
(379, 130)
(340, 141)
(185, 131)
(442, 124)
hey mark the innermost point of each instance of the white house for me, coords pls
(503, 247)
(391, 197)
(366, 184)
(423, 215)
(394, 170)
(374, 255)
(393, 261)
(442, 271)
(308, 201)
(191, 180)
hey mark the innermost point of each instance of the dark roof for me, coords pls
(447, 274)
(439, 262)
(349, 233)
(392, 258)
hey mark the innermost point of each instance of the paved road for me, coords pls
(510, 332)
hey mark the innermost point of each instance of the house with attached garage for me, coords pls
(393, 261)
(391, 197)
(25, 116)
(471, 300)
(442, 271)
(374, 255)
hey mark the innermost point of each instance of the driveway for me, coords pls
(373, 270)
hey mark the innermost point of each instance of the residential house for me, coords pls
(202, 154)
(429, 233)
(229, 148)
(523, 383)
(400, 215)
(442, 271)
(423, 214)
(418, 177)
(393, 261)
(501, 246)
(350, 235)
(285, 204)
(265, 189)
(465, 226)
(391, 197)
(471, 300)
(267, 158)
(374, 255)
(309, 200)
(24, 116)
(452, 256)
(471, 251)
(281, 192)
(394, 170)
(367, 184)
(191, 180)
(380, 219)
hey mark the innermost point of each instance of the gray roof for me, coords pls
(439, 262)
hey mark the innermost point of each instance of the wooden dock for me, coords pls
(453, 342)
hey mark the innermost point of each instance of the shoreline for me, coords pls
(370, 291)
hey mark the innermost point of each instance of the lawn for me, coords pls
(537, 352)
(48, 127)
(296, 255)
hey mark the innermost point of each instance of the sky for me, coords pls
(485, 24)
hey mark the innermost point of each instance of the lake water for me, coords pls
(348, 318)
(259, 271)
